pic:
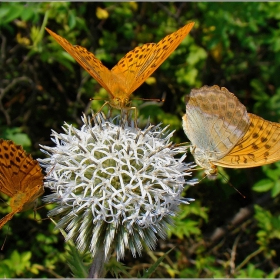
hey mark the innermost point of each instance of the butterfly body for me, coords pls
(21, 178)
(118, 97)
(23, 201)
(222, 133)
(204, 160)
(131, 71)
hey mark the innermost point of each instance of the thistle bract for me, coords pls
(115, 186)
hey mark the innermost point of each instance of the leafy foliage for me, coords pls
(75, 261)
(235, 45)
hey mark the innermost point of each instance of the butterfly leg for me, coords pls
(126, 116)
(182, 144)
(107, 102)
(135, 115)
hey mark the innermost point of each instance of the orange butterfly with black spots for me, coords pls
(131, 71)
(21, 178)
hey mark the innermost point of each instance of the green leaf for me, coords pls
(251, 272)
(117, 268)
(74, 259)
(72, 20)
(27, 13)
(152, 269)
(11, 12)
(263, 185)
(276, 189)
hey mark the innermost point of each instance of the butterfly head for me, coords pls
(212, 173)
(211, 170)
(119, 102)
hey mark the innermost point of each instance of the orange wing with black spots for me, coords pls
(21, 178)
(87, 60)
(222, 133)
(259, 146)
(137, 65)
(132, 70)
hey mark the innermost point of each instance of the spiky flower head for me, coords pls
(115, 185)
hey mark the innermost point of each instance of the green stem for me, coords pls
(247, 259)
(97, 267)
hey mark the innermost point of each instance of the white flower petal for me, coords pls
(115, 185)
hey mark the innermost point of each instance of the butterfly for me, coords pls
(222, 133)
(21, 178)
(131, 71)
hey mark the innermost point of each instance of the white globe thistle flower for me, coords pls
(115, 185)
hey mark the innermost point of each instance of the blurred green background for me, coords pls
(235, 45)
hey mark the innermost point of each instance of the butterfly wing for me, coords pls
(137, 65)
(10, 156)
(31, 185)
(20, 176)
(7, 218)
(87, 60)
(21, 202)
(215, 120)
(259, 146)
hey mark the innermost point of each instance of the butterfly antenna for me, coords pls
(50, 171)
(160, 100)
(3, 201)
(43, 219)
(149, 99)
(4, 242)
(96, 98)
(3, 245)
(226, 181)
(205, 175)
(37, 208)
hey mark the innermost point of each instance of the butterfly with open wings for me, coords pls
(131, 71)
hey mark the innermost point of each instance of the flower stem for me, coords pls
(97, 267)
